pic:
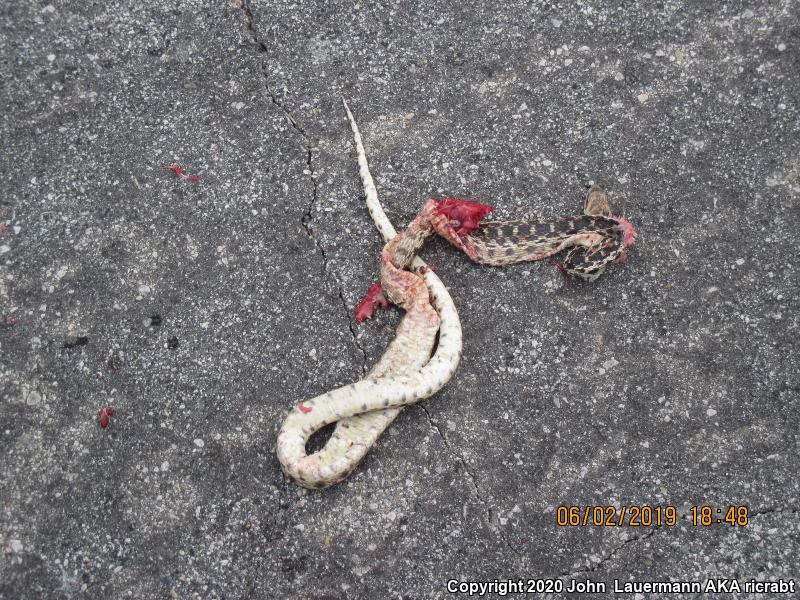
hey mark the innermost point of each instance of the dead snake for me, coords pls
(407, 372)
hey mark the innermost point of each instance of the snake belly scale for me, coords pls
(415, 366)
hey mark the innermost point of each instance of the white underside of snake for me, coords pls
(411, 369)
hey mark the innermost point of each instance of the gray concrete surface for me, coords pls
(201, 312)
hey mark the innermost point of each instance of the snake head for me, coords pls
(596, 202)
(464, 215)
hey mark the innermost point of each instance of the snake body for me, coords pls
(407, 372)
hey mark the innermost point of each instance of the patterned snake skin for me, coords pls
(407, 372)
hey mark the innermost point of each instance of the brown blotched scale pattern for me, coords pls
(407, 372)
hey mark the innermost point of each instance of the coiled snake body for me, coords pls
(407, 372)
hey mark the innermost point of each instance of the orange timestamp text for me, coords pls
(649, 516)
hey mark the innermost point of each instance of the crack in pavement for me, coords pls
(770, 511)
(611, 555)
(307, 218)
(472, 479)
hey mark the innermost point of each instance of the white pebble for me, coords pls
(199, 443)
(610, 363)
(711, 412)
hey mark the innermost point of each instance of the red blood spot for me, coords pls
(105, 415)
(466, 214)
(425, 268)
(3, 228)
(178, 170)
(628, 230)
(304, 409)
(373, 298)
(560, 267)
(12, 320)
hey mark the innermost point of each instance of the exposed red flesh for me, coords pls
(373, 298)
(628, 230)
(178, 170)
(105, 415)
(304, 409)
(465, 215)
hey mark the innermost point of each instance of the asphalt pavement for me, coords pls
(200, 310)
